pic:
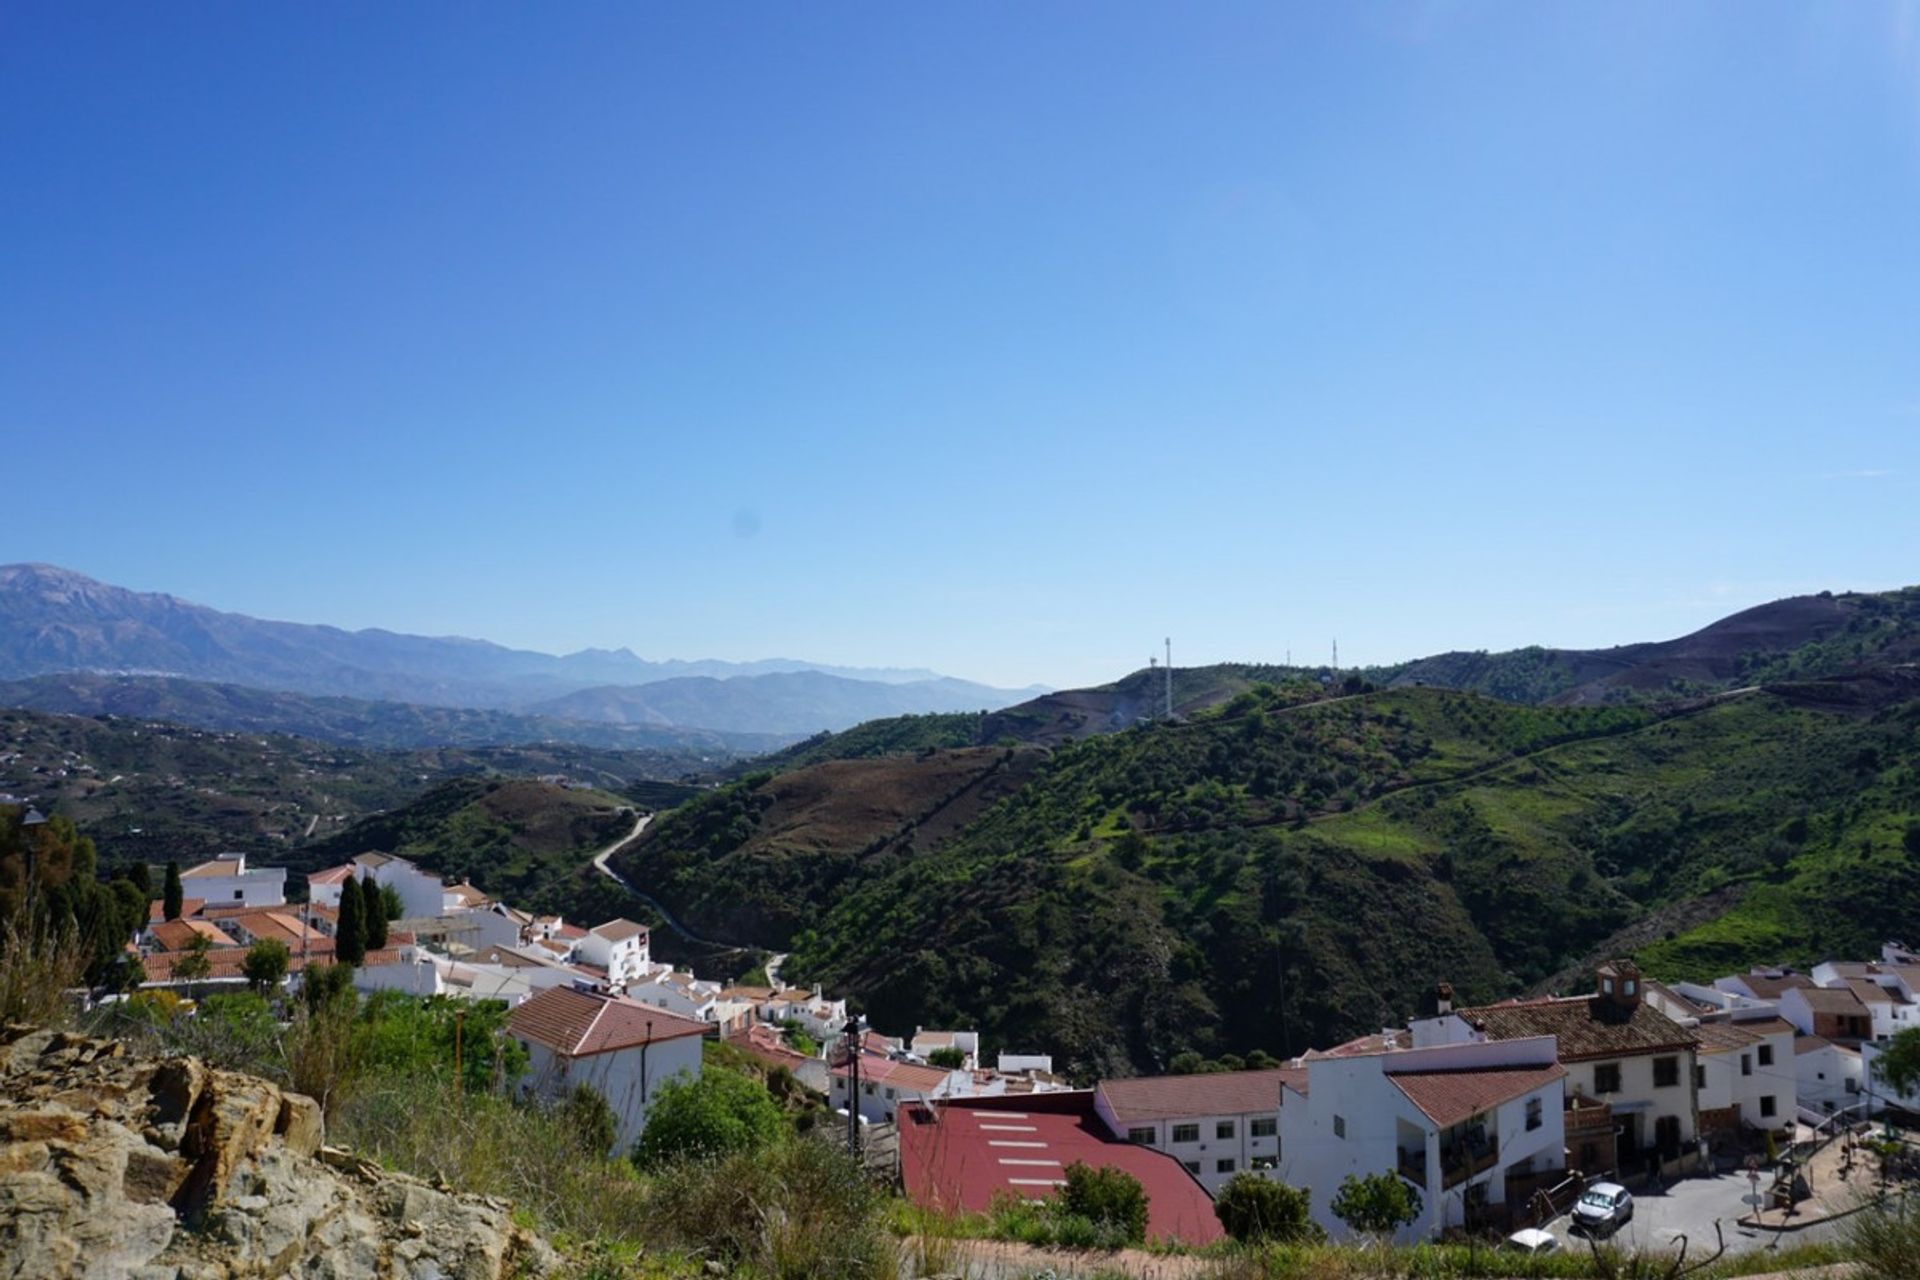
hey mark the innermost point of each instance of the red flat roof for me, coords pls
(964, 1153)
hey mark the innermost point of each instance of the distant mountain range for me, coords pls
(54, 622)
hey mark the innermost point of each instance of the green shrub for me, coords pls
(591, 1119)
(1106, 1197)
(1376, 1205)
(1885, 1242)
(718, 1113)
(1256, 1209)
(801, 1210)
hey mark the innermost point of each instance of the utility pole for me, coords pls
(853, 1084)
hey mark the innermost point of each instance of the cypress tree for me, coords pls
(142, 879)
(373, 909)
(175, 896)
(350, 935)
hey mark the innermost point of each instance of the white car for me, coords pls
(1605, 1207)
(1532, 1241)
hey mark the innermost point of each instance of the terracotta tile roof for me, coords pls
(366, 860)
(1586, 1027)
(1214, 1093)
(174, 935)
(578, 1024)
(157, 910)
(215, 867)
(1448, 1097)
(571, 932)
(332, 875)
(910, 1076)
(1766, 988)
(765, 1043)
(1836, 1000)
(1871, 992)
(1725, 1037)
(619, 930)
(467, 894)
(757, 995)
(1810, 1044)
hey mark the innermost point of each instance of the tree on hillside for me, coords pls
(949, 1057)
(193, 964)
(266, 965)
(1898, 1066)
(350, 933)
(1376, 1205)
(718, 1113)
(175, 897)
(390, 902)
(137, 875)
(327, 987)
(373, 913)
(1254, 1209)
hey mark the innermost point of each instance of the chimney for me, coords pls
(1443, 998)
(1619, 986)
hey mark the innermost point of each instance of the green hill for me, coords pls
(1274, 875)
(514, 838)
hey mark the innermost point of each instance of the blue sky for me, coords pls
(1003, 339)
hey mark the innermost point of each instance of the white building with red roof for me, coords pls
(226, 880)
(621, 947)
(1460, 1122)
(887, 1084)
(1217, 1124)
(620, 1048)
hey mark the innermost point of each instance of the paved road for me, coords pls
(600, 864)
(1690, 1207)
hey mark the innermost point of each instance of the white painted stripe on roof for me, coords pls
(1006, 1115)
(1011, 1128)
(1016, 1160)
(1007, 1142)
(1037, 1182)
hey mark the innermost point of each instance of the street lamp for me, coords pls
(853, 1082)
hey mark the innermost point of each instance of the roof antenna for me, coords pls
(1169, 677)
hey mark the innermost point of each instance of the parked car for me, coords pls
(1603, 1209)
(1532, 1242)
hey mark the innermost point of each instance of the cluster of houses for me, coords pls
(1481, 1109)
(590, 1004)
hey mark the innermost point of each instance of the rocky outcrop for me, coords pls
(165, 1169)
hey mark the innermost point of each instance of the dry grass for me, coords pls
(39, 964)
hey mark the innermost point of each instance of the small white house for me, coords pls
(926, 1042)
(886, 1084)
(623, 1050)
(1827, 1076)
(225, 880)
(1747, 1074)
(620, 947)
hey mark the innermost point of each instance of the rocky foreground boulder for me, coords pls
(117, 1166)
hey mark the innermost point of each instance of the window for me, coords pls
(1223, 1129)
(1193, 1167)
(1746, 1064)
(1853, 1086)
(1223, 1166)
(1630, 986)
(1606, 986)
(1699, 1077)
(1534, 1113)
(1265, 1127)
(1142, 1137)
(1339, 1126)
(1766, 1105)
(891, 1094)
(1186, 1133)
(867, 1088)
(1666, 1072)
(1606, 1078)
(1766, 1055)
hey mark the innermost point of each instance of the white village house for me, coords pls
(623, 1050)
(620, 947)
(1464, 1122)
(225, 880)
(1631, 1082)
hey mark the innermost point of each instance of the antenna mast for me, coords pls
(1336, 656)
(1169, 677)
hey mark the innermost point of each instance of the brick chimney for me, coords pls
(1618, 986)
(1443, 998)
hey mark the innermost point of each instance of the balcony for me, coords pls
(1463, 1161)
(1585, 1118)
